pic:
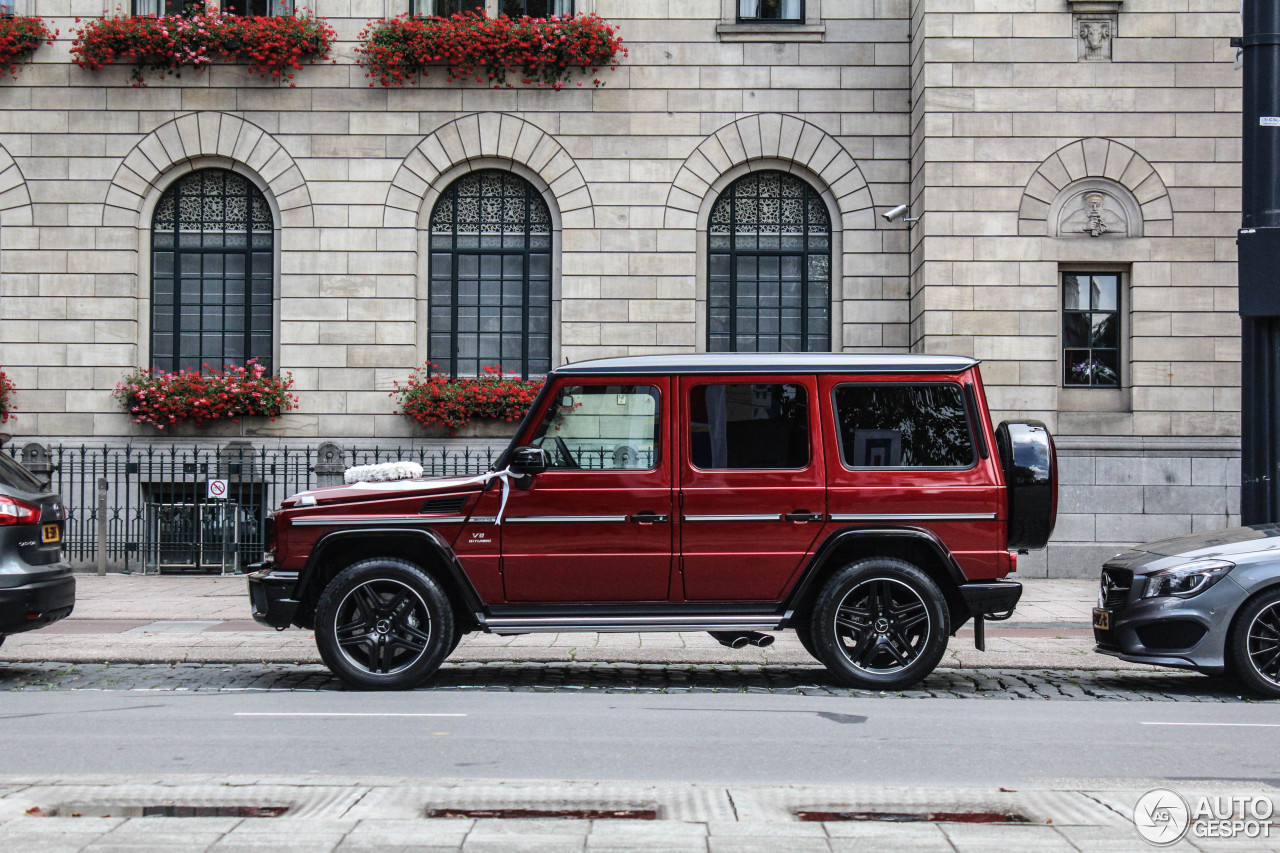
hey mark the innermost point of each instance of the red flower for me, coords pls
(6, 407)
(437, 398)
(270, 46)
(470, 45)
(159, 398)
(19, 38)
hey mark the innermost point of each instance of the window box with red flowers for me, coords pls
(493, 51)
(271, 47)
(20, 36)
(163, 400)
(6, 390)
(489, 404)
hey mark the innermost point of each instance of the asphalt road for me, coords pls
(778, 739)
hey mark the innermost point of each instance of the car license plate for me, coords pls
(1101, 619)
(50, 533)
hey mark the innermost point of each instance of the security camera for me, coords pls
(893, 214)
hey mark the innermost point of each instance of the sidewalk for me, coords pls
(206, 619)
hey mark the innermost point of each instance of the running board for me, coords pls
(628, 624)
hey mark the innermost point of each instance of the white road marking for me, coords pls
(1233, 725)
(337, 714)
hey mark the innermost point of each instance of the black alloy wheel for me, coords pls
(1254, 646)
(880, 624)
(384, 624)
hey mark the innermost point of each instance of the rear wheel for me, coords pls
(1253, 650)
(880, 624)
(384, 624)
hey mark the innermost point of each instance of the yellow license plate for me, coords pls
(50, 533)
(1101, 619)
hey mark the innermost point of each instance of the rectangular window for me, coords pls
(786, 11)
(601, 428)
(258, 8)
(903, 426)
(535, 8)
(154, 8)
(1091, 330)
(444, 8)
(748, 426)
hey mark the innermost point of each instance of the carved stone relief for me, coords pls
(1094, 33)
(1094, 210)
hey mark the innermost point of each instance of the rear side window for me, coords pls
(748, 426)
(903, 426)
(14, 476)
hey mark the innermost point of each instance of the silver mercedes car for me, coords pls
(1209, 602)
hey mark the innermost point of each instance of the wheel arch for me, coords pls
(918, 546)
(423, 548)
(1270, 586)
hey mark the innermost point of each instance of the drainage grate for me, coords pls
(561, 814)
(916, 817)
(156, 810)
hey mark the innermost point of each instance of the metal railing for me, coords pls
(200, 509)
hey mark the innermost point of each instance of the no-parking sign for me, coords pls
(218, 490)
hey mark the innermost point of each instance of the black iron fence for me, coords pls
(200, 509)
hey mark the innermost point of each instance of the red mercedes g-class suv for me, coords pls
(863, 501)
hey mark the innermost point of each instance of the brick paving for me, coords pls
(559, 677)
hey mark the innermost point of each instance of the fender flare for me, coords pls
(828, 547)
(428, 538)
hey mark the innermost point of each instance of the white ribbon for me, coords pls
(505, 476)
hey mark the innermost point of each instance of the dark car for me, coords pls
(865, 502)
(1208, 602)
(37, 587)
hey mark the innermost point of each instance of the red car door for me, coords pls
(752, 484)
(596, 525)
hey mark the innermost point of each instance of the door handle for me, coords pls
(804, 515)
(647, 518)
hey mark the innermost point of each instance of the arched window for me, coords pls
(769, 267)
(491, 276)
(211, 273)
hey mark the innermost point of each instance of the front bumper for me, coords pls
(1188, 633)
(271, 595)
(34, 605)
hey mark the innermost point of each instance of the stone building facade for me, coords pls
(1071, 169)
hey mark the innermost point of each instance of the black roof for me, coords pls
(768, 363)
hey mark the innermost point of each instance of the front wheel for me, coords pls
(1253, 650)
(880, 624)
(383, 624)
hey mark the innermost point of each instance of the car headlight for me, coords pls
(1186, 581)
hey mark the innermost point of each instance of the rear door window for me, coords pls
(903, 426)
(748, 426)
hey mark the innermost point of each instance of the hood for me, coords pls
(420, 487)
(1234, 544)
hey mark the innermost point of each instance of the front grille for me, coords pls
(444, 505)
(1173, 635)
(1116, 584)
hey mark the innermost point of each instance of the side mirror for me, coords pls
(526, 462)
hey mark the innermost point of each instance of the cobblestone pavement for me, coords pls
(524, 676)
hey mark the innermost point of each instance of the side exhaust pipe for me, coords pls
(740, 639)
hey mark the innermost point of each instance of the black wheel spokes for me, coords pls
(379, 627)
(1264, 643)
(884, 628)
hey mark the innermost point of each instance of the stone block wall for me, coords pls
(352, 171)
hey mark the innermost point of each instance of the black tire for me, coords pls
(880, 624)
(383, 624)
(806, 639)
(1253, 649)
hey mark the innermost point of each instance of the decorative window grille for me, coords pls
(490, 265)
(212, 273)
(769, 267)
